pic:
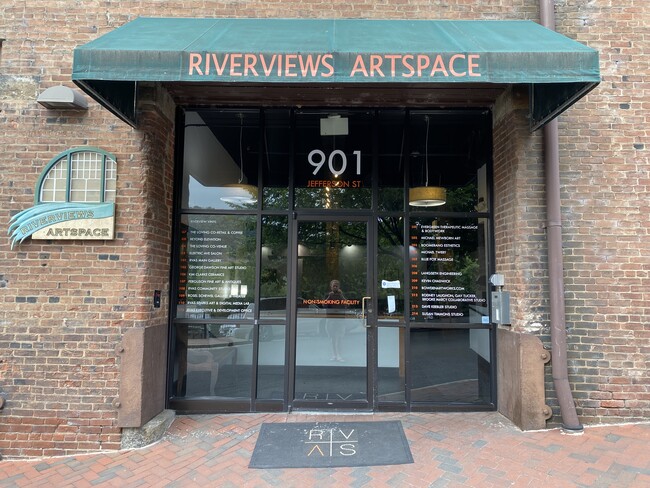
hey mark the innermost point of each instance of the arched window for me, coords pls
(83, 174)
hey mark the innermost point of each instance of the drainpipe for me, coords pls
(559, 364)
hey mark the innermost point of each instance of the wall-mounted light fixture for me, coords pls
(62, 98)
(427, 196)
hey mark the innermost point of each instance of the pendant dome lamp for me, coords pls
(427, 196)
(242, 193)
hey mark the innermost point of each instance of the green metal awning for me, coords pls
(557, 70)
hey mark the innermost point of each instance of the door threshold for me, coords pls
(331, 412)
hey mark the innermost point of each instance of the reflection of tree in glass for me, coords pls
(468, 280)
(390, 234)
(323, 244)
(274, 258)
(391, 198)
(462, 198)
(390, 260)
(277, 198)
(390, 248)
(274, 283)
(333, 197)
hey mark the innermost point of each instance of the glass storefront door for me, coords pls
(333, 313)
(308, 276)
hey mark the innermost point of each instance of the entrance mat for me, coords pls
(330, 444)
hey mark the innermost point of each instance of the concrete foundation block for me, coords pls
(152, 431)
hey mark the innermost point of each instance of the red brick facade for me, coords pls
(66, 304)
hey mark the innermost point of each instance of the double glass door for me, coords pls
(334, 314)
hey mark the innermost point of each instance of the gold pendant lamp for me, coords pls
(427, 196)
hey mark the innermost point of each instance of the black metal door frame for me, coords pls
(371, 331)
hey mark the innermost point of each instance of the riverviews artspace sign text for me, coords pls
(327, 66)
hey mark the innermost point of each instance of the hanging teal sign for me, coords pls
(64, 221)
(74, 199)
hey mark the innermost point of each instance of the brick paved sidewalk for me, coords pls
(449, 449)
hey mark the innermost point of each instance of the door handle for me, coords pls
(363, 311)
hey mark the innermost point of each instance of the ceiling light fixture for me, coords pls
(427, 196)
(242, 193)
(334, 125)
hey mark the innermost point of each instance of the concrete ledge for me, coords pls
(152, 431)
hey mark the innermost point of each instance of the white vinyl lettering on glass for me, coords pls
(337, 161)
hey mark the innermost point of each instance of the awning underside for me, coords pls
(343, 52)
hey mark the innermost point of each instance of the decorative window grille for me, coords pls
(79, 175)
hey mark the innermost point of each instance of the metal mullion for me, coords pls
(373, 332)
(258, 269)
(372, 337)
(68, 180)
(292, 267)
(407, 260)
(102, 180)
(176, 247)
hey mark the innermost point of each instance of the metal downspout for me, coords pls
(559, 363)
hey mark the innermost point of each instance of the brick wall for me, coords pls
(65, 305)
(606, 193)
(605, 173)
(519, 208)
